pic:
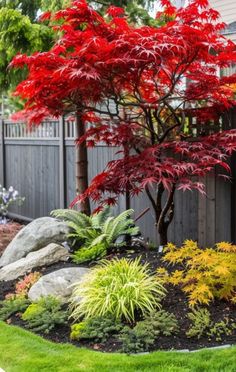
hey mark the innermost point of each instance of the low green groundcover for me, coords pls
(22, 351)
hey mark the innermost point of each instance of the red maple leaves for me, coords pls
(136, 87)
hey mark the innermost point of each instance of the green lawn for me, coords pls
(22, 351)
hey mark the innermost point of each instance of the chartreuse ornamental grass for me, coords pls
(117, 288)
(22, 351)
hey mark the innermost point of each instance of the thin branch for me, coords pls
(166, 208)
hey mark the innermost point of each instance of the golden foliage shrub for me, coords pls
(203, 274)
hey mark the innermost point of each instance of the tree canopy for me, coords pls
(137, 86)
(18, 35)
(22, 32)
(26, 7)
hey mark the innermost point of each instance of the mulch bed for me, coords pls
(7, 233)
(175, 302)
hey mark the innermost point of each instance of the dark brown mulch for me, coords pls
(175, 302)
(7, 233)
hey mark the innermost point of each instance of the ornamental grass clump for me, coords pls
(117, 288)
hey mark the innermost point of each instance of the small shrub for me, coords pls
(12, 305)
(44, 315)
(163, 323)
(24, 285)
(118, 289)
(87, 254)
(145, 333)
(98, 329)
(220, 329)
(206, 274)
(140, 338)
(96, 233)
(202, 325)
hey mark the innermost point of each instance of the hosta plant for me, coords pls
(93, 235)
(117, 288)
(204, 274)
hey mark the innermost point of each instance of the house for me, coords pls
(227, 9)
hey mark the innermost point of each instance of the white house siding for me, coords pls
(227, 9)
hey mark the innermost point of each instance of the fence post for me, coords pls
(62, 164)
(2, 155)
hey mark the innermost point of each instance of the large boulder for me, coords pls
(34, 236)
(58, 283)
(45, 256)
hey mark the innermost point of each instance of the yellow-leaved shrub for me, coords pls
(203, 274)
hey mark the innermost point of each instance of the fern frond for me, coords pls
(70, 215)
(86, 254)
(108, 225)
(65, 214)
(132, 231)
(120, 225)
(99, 219)
(100, 239)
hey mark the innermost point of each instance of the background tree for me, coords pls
(22, 32)
(18, 35)
(130, 83)
(138, 11)
(25, 7)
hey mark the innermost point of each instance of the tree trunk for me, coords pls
(163, 236)
(163, 213)
(81, 173)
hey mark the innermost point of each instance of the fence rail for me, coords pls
(41, 164)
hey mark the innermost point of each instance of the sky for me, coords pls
(155, 8)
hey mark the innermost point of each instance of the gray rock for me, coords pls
(45, 256)
(58, 283)
(34, 236)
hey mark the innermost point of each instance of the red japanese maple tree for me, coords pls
(139, 87)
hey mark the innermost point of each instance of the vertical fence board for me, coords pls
(2, 154)
(62, 164)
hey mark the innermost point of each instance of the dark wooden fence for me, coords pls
(41, 165)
